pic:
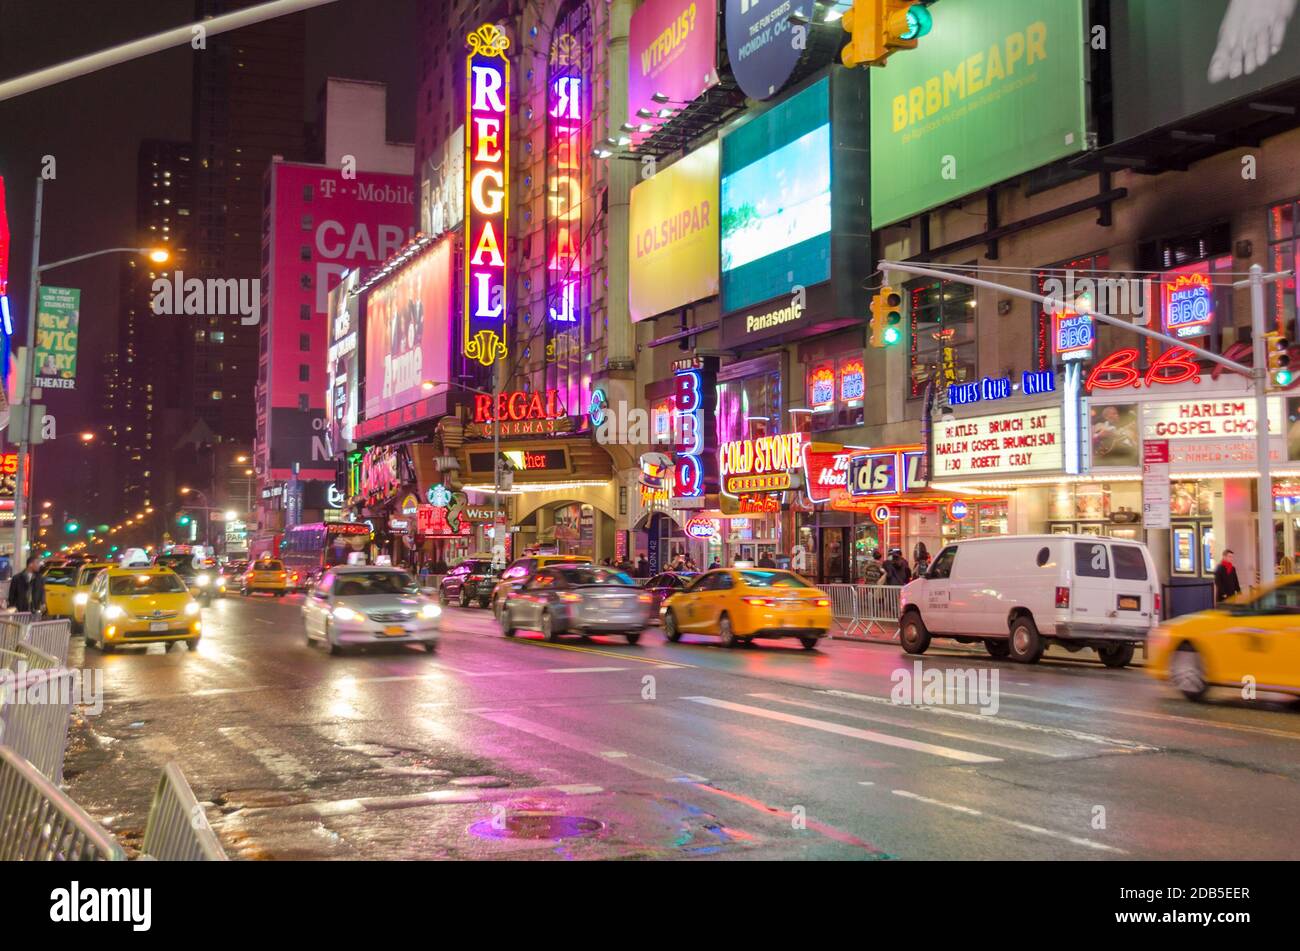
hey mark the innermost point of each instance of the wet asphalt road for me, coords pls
(496, 748)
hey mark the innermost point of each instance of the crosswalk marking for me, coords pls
(870, 736)
(1024, 826)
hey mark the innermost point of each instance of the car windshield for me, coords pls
(475, 567)
(59, 574)
(588, 574)
(269, 566)
(358, 584)
(145, 584)
(772, 579)
(87, 574)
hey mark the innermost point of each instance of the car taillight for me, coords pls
(762, 602)
(644, 598)
(1062, 597)
(570, 597)
(823, 602)
(1157, 605)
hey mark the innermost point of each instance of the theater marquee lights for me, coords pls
(487, 194)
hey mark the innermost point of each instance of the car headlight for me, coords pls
(346, 614)
(202, 581)
(192, 608)
(81, 599)
(430, 611)
(114, 611)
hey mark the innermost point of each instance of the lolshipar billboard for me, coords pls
(994, 90)
(1177, 58)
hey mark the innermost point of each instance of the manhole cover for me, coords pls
(533, 825)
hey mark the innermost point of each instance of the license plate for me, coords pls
(1129, 602)
(394, 631)
(158, 626)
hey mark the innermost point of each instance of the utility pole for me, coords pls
(26, 374)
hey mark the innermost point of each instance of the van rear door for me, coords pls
(1135, 588)
(1092, 593)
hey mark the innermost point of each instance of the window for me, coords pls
(941, 316)
(303, 402)
(1283, 600)
(942, 567)
(218, 336)
(306, 222)
(304, 252)
(304, 342)
(1043, 354)
(304, 372)
(304, 282)
(1283, 255)
(304, 311)
(1129, 563)
(1090, 560)
(306, 193)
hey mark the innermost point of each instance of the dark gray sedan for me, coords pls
(578, 599)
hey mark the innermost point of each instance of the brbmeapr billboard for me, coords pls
(1177, 58)
(995, 89)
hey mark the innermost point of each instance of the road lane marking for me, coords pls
(1025, 826)
(604, 653)
(870, 736)
(1165, 717)
(1132, 745)
(637, 764)
(584, 670)
(1004, 744)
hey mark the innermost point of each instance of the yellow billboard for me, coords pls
(673, 242)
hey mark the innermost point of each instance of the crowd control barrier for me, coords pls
(864, 611)
(39, 823)
(35, 708)
(178, 829)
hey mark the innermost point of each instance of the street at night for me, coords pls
(670, 751)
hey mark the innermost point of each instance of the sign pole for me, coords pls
(1267, 567)
(26, 388)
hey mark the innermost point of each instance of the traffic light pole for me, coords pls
(1258, 374)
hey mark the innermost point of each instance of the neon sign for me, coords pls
(698, 526)
(1073, 333)
(518, 405)
(1189, 305)
(487, 173)
(821, 388)
(567, 107)
(853, 380)
(760, 465)
(688, 402)
(1032, 383)
(1118, 370)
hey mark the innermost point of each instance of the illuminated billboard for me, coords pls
(776, 201)
(487, 198)
(407, 331)
(341, 367)
(672, 51)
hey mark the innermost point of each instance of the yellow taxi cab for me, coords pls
(265, 574)
(140, 606)
(1255, 636)
(740, 604)
(81, 591)
(60, 579)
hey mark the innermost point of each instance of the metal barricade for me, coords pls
(844, 609)
(39, 823)
(29, 657)
(51, 637)
(879, 607)
(178, 830)
(11, 632)
(35, 707)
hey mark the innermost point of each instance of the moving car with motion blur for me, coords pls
(577, 599)
(140, 606)
(1017, 593)
(520, 571)
(740, 604)
(1251, 635)
(60, 582)
(358, 605)
(81, 592)
(663, 586)
(265, 574)
(198, 571)
(470, 582)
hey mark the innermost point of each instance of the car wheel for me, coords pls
(809, 643)
(549, 633)
(1187, 672)
(1025, 646)
(507, 625)
(912, 635)
(442, 597)
(671, 630)
(464, 598)
(726, 634)
(633, 636)
(998, 647)
(1116, 655)
(430, 647)
(192, 643)
(483, 603)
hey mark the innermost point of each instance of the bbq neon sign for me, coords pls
(487, 195)
(1189, 305)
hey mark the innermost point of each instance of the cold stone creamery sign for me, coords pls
(1207, 419)
(1009, 443)
(760, 465)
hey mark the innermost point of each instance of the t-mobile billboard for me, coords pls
(322, 225)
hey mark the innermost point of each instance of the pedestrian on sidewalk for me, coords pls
(27, 590)
(897, 571)
(1226, 583)
(874, 569)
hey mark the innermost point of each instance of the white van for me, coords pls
(1016, 593)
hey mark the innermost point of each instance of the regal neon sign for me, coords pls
(1119, 369)
(567, 108)
(487, 195)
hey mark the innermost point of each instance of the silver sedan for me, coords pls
(365, 604)
(578, 599)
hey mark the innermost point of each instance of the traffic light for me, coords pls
(1279, 360)
(183, 519)
(878, 27)
(886, 318)
(72, 527)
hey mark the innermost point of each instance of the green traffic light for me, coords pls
(919, 22)
(892, 335)
(72, 528)
(1282, 377)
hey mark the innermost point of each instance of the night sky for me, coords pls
(93, 127)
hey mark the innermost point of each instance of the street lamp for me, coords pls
(496, 449)
(28, 395)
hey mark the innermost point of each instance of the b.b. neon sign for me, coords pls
(1119, 369)
(487, 196)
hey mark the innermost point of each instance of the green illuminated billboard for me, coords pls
(995, 90)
